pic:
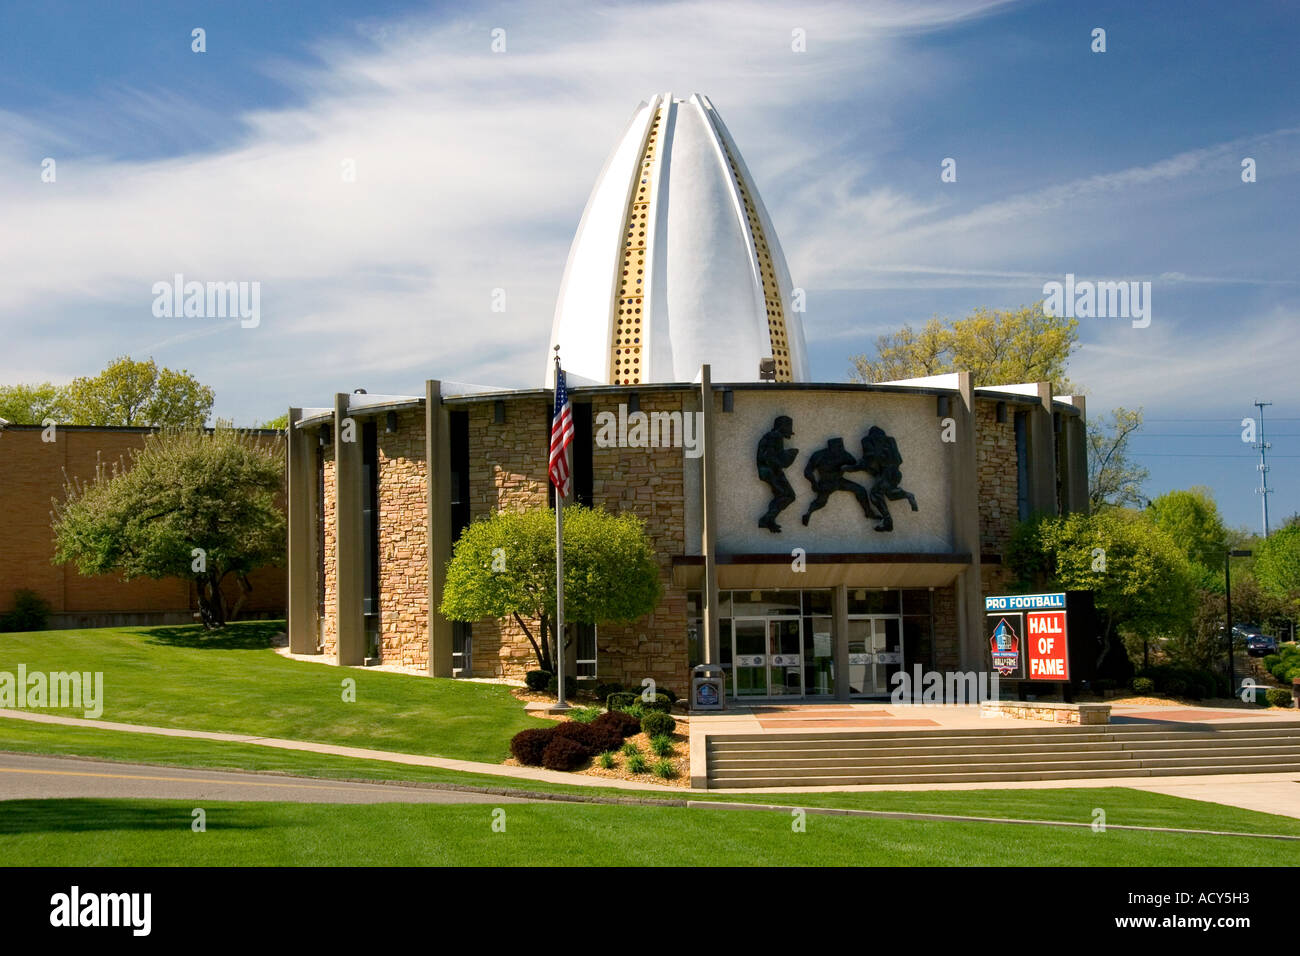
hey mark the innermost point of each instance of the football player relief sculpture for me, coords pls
(825, 472)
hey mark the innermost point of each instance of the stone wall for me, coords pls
(996, 470)
(402, 492)
(649, 482)
(947, 645)
(507, 470)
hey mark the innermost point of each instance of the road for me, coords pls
(28, 776)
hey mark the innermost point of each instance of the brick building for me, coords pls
(812, 538)
(32, 473)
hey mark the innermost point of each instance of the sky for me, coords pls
(380, 171)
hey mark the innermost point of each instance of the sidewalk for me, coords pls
(1268, 793)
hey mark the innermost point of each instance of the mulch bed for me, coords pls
(681, 757)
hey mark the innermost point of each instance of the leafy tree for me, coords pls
(503, 565)
(998, 347)
(1112, 478)
(1142, 583)
(1277, 562)
(31, 404)
(280, 421)
(1191, 518)
(138, 393)
(189, 504)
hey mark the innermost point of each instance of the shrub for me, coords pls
(620, 700)
(636, 763)
(527, 746)
(654, 723)
(606, 760)
(1278, 697)
(630, 749)
(31, 612)
(1270, 661)
(604, 690)
(570, 685)
(592, 738)
(662, 745)
(672, 697)
(1143, 685)
(537, 680)
(564, 754)
(1103, 684)
(625, 724)
(661, 703)
(665, 769)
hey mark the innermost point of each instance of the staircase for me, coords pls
(824, 759)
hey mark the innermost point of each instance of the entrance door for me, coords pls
(785, 663)
(766, 657)
(875, 653)
(749, 656)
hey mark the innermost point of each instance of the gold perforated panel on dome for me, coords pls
(625, 352)
(771, 292)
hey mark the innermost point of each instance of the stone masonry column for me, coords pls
(349, 536)
(966, 526)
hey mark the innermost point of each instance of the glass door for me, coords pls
(785, 663)
(749, 660)
(875, 653)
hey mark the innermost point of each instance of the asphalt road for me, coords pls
(27, 776)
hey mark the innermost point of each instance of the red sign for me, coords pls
(1045, 645)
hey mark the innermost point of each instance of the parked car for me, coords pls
(1260, 645)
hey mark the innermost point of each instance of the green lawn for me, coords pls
(233, 681)
(157, 833)
(1122, 805)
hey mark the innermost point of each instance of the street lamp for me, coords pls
(1227, 593)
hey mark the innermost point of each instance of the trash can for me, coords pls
(708, 687)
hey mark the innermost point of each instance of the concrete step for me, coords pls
(791, 759)
(722, 750)
(729, 743)
(799, 781)
(1071, 762)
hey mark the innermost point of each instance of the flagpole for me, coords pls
(559, 570)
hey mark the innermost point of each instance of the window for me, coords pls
(462, 642)
(370, 532)
(1022, 465)
(585, 649)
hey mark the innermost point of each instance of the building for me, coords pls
(812, 538)
(34, 464)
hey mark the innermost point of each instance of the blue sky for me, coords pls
(473, 168)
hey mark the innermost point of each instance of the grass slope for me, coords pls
(233, 681)
(1122, 805)
(157, 833)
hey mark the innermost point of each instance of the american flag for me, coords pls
(561, 438)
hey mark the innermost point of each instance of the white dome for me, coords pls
(675, 263)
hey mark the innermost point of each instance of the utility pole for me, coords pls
(1263, 490)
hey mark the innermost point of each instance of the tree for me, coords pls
(998, 347)
(280, 421)
(190, 504)
(1114, 480)
(31, 404)
(503, 566)
(138, 393)
(1191, 518)
(1142, 583)
(1277, 562)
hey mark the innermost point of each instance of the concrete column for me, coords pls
(300, 487)
(349, 535)
(437, 453)
(840, 639)
(966, 526)
(1042, 453)
(709, 513)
